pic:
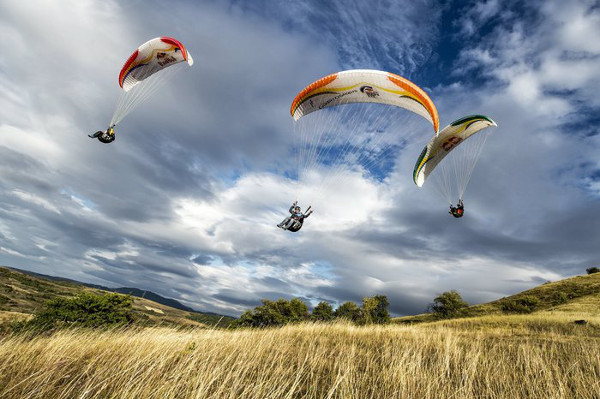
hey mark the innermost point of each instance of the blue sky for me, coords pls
(184, 203)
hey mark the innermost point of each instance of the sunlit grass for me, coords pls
(536, 356)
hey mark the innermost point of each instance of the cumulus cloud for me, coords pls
(185, 201)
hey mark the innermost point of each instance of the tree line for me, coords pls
(373, 310)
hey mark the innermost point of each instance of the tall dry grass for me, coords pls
(497, 357)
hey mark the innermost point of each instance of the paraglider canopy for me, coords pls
(150, 58)
(445, 141)
(364, 86)
(451, 155)
(149, 67)
(353, 122)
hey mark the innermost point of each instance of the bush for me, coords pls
(558, 298)
(525, 304)
(448, 304)
(592, 270)
(84, 310)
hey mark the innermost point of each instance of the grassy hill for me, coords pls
(22, 294)
(122, 290)
(580, 294)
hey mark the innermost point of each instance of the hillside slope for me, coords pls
(122, 290)
(579, 294)
(22, 294)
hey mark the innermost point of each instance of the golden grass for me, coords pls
(545, 356)
(8, 317)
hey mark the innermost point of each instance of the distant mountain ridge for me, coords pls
(153, 297)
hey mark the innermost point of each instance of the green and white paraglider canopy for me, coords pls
(451, 155)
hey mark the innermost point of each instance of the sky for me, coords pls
(185, 201)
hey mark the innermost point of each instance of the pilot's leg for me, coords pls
(289, 223)
(284, 223)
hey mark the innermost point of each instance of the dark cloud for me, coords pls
(227, 296)
(185, 202)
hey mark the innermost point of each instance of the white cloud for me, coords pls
(474, 16)
(36, 200)
(185, 202)
(11, 252)
(537, 62)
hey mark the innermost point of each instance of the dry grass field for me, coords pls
(542, 355)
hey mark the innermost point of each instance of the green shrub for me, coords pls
(84, 310)
(592, 270)
(558, 298)
(524, 304)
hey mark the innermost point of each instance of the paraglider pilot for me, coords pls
(457, 211)
(295, 220)
(106, 137)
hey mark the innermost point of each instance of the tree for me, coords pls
(348, 311)
(264, 315)
(298, 311)
(448, 304)
(275, 313)
(374, 310)
(592, 270)
(322, 312)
